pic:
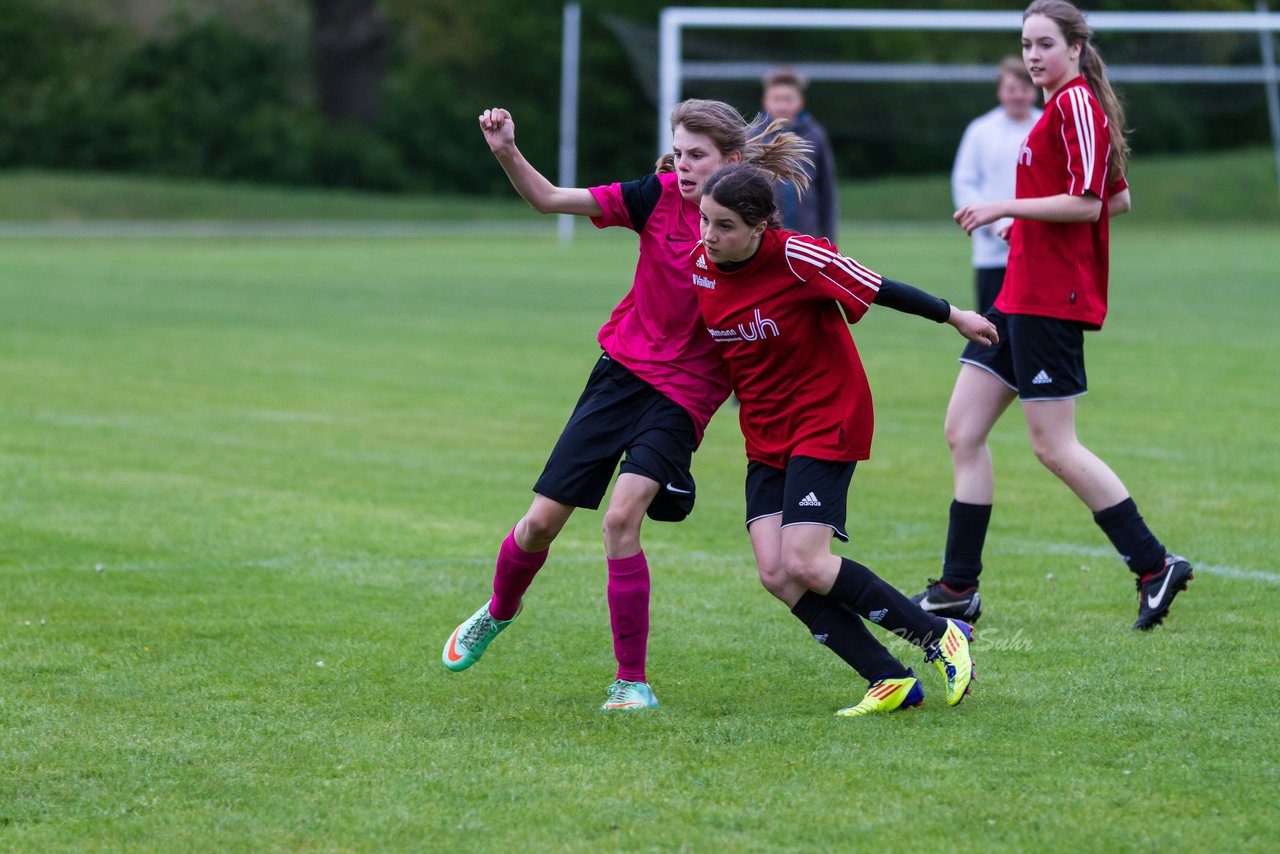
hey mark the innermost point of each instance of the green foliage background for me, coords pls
(221, 89)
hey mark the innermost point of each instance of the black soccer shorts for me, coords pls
(619, 413)
(807, 492)
(1041, 358)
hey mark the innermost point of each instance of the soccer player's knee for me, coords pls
(540, 530)
(1049, 453)
(619, 524)
(774, 578)
(803, 570)
(958, 438)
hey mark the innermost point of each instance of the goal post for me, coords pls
(674, 21)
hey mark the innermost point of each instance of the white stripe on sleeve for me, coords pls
(822, 257)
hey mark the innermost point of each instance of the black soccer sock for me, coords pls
(1138, 547)
(966, 534)
(872, 597)
(841, 631)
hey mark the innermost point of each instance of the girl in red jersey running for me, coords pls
(773, 302)
(1070, 180)
(651, 393)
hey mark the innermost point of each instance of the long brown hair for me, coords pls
(1076, 30)
(782, 154)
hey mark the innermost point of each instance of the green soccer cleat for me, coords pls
(627, 696)
(888, 695)
(469, 640)
(951, 654)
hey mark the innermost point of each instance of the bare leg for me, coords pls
(977, 402)
(807, 557)
(631, 497)
(1052, 427)
(542, 524)
(766, 542)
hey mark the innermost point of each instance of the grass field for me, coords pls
(250, 486)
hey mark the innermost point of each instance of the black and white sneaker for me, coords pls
(941, 600)
(1156, 591)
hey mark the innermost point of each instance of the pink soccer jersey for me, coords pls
(656, 331)
(780, 321)
(1059, 269)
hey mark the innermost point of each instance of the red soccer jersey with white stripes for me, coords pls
(778, 322)
(1059, 269)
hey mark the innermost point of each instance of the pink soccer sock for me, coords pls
(629, 614)
(512, 577)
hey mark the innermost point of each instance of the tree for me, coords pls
(349, 38)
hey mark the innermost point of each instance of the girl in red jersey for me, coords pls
(651, 393)
(773, 303)
(1070, 180)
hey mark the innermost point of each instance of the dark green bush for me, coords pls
(207, 99)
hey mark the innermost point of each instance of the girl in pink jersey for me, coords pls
(776, 305)
(652, 391)
(1070, 180)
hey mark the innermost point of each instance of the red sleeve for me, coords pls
(1087, 141)
(1119, 185)
(829, 275)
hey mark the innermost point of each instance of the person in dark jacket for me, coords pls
(814, 212)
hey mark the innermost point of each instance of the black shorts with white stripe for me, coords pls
(806, 492)
(1041, 358)
(620, 414)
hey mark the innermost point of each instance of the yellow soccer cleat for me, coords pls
(955, 663)
(888, 695)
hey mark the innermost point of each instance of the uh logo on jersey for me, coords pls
(757, 329)
(1024, 153)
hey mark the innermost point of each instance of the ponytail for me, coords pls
(784, 155)
(1095, 74)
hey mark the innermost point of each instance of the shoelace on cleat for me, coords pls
(933, 653)
(479, 629)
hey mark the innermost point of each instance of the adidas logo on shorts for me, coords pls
(877, 616)
(810, 500)
(701, 263)
(1041, 379)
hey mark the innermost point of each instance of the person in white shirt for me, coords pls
(985, 166)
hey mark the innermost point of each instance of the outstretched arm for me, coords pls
(1060, 208)
(974, 326)
(903, 297)
(500, 132)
